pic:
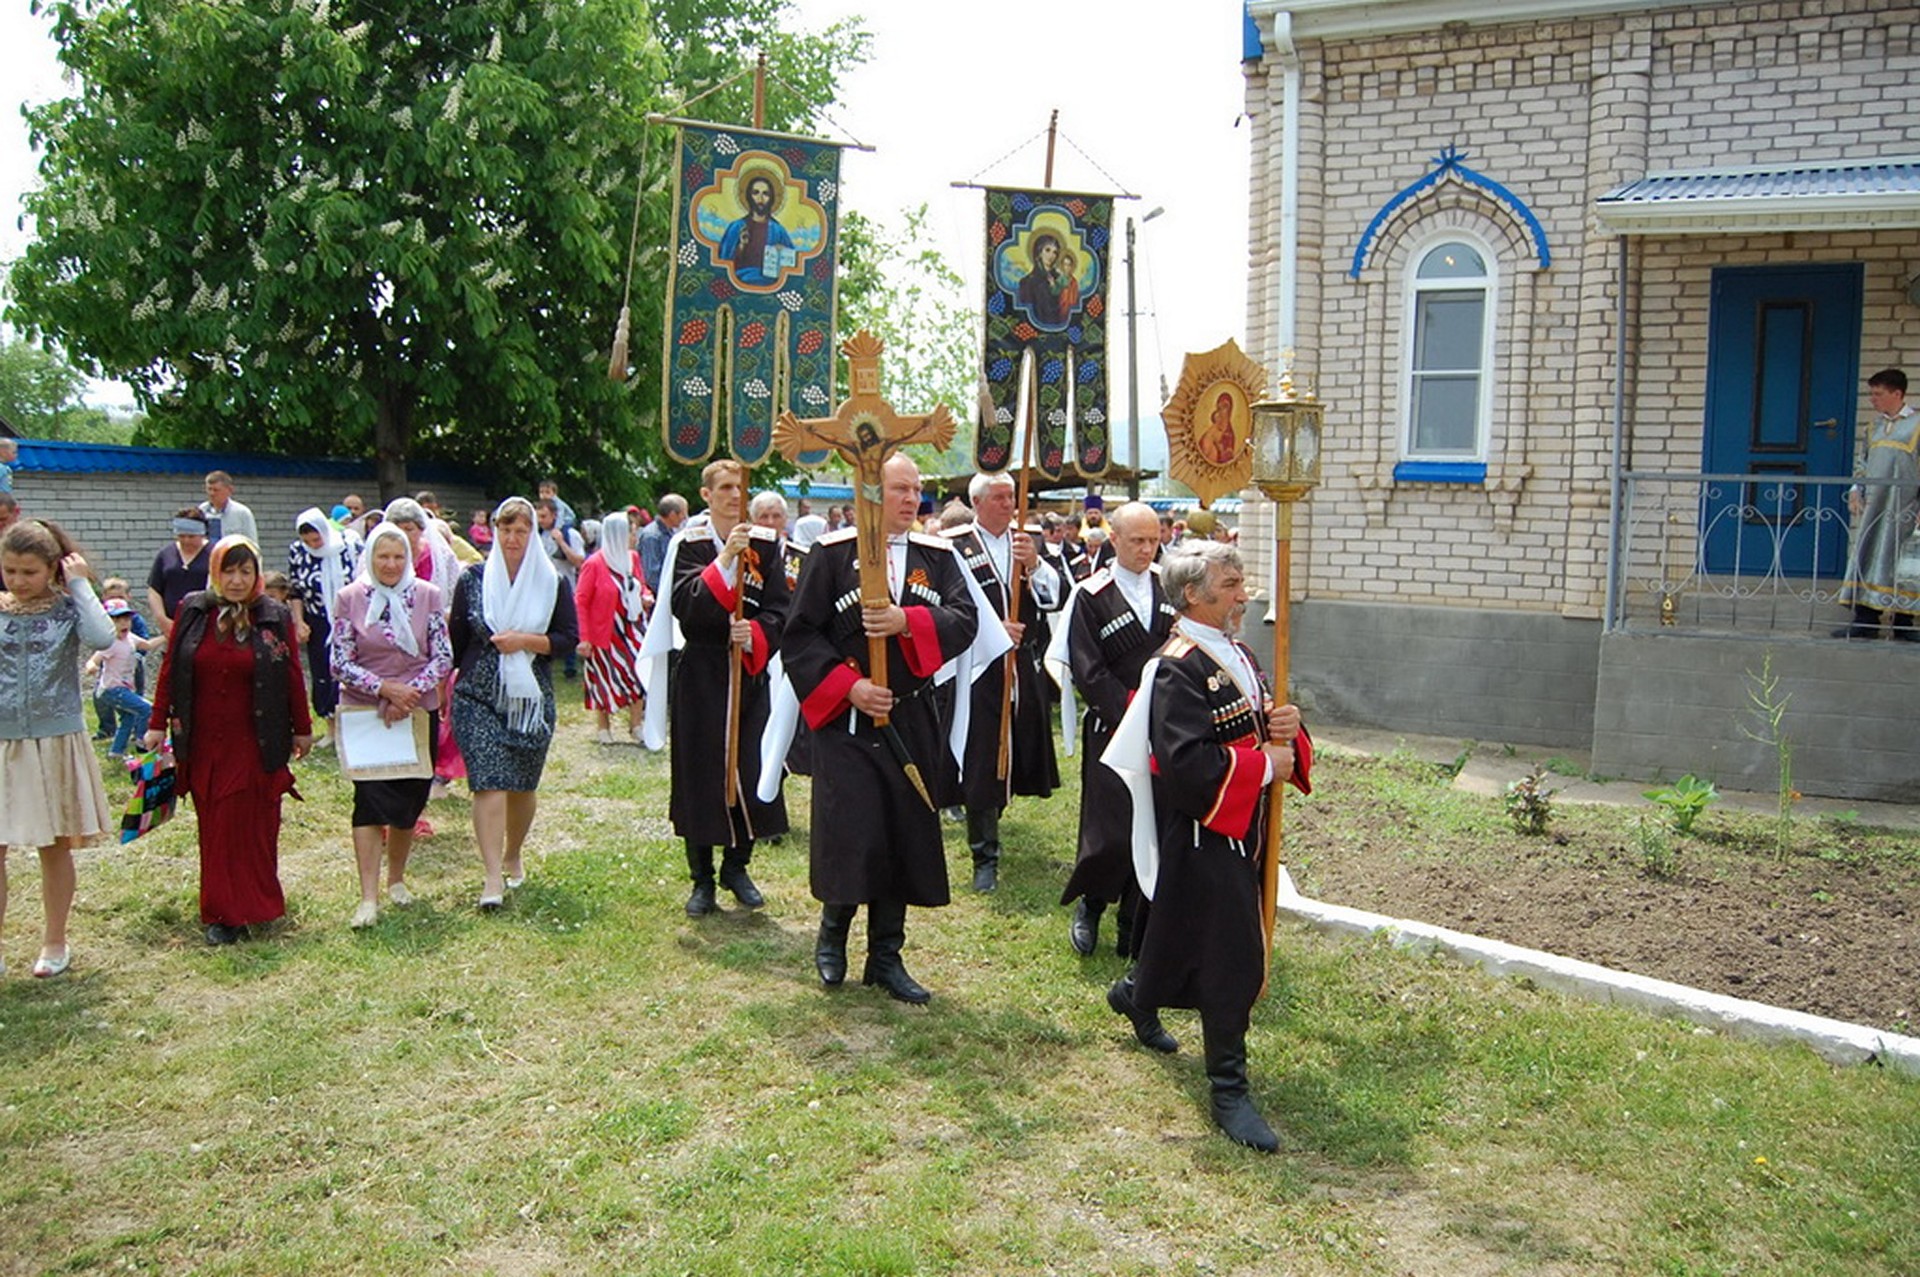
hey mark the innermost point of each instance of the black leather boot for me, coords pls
(830, 946)
(700, 902)
(733, 875)
(1123, 945)
(983, 837)
(1083, 932)
(886, 932)
(1232, 1105)
(1146, 1021)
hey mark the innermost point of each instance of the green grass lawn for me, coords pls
(590, 1082)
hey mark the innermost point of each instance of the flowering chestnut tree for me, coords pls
(386, 226)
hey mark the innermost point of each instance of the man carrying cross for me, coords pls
(1009, 736)
(876, 837)
(724, 595)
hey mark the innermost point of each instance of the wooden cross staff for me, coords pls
(866, 431)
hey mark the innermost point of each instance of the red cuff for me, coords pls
(825, 702)
(1303, 762)
(755, 658)
(921, 644)
(1238, 797)
(716, 583)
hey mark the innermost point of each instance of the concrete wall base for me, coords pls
(1834, 1040)
(1458, 672)
(1672, 703)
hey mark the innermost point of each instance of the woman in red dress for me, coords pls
(231, 693)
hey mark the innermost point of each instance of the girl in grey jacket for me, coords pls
(51, 794)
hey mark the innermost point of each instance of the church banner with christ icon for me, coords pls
(1047, 294)
(750, 289)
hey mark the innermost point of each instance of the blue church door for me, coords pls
(1783, 360)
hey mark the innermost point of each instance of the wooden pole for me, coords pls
(869, 518)
(1016, 574)
(1053, 129)
(760, 92)
(1271, 856)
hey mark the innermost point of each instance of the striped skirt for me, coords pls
(613, 673)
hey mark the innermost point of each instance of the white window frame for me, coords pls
(1415, 286)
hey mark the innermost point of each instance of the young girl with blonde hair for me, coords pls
(51, 795)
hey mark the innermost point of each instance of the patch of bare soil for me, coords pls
(1832, 928)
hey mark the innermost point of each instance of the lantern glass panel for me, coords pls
(1270, 443)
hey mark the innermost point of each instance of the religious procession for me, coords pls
(913, 806)
(910, 663)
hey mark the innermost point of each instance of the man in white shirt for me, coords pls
(989, 549)
(225, 516)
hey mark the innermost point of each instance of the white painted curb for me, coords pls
(1835, 1040)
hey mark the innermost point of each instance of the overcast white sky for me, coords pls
(1149, 95)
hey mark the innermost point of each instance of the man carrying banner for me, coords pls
(1009, 739)
(876, 836)
(1198, 748)
(725, 598)
(1111, 628)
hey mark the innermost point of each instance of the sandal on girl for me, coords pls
(52, 964)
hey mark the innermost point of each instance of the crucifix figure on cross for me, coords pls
(866, 431)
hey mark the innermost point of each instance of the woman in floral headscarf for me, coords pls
(231, 693)
(390, 652)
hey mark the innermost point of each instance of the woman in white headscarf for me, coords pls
(391, 651)
(613, 603)
(510, 615)
(319, 564)
(433, 557)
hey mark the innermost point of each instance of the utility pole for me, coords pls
(1133, 364)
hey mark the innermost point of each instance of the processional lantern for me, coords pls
(1286, 443)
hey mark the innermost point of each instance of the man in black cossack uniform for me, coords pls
(989, 547)
(1198, 748)
(1112, 628)
(715, 560)
(876, 839)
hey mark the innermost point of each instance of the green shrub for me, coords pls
(1684, 800)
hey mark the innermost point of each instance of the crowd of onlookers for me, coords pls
(244, 658)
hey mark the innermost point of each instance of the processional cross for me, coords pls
(866, 431)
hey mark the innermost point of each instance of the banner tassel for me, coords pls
(617, 363)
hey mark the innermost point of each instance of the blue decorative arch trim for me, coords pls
(1451, 163)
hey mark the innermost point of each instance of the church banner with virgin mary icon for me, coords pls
(1047, 294)
(750, 289)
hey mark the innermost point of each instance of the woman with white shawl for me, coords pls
(613, 602)
(510, 615)
(319, 565)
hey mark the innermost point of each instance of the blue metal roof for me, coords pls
(1867, 194)
(1174, 505)
(1883, 177)
(818, 491)
(60, 456)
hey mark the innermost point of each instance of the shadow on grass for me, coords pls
(43, 1018)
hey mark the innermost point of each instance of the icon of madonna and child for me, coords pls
(1048, 271)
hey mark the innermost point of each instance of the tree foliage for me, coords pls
(386, 226)
(40, 396)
